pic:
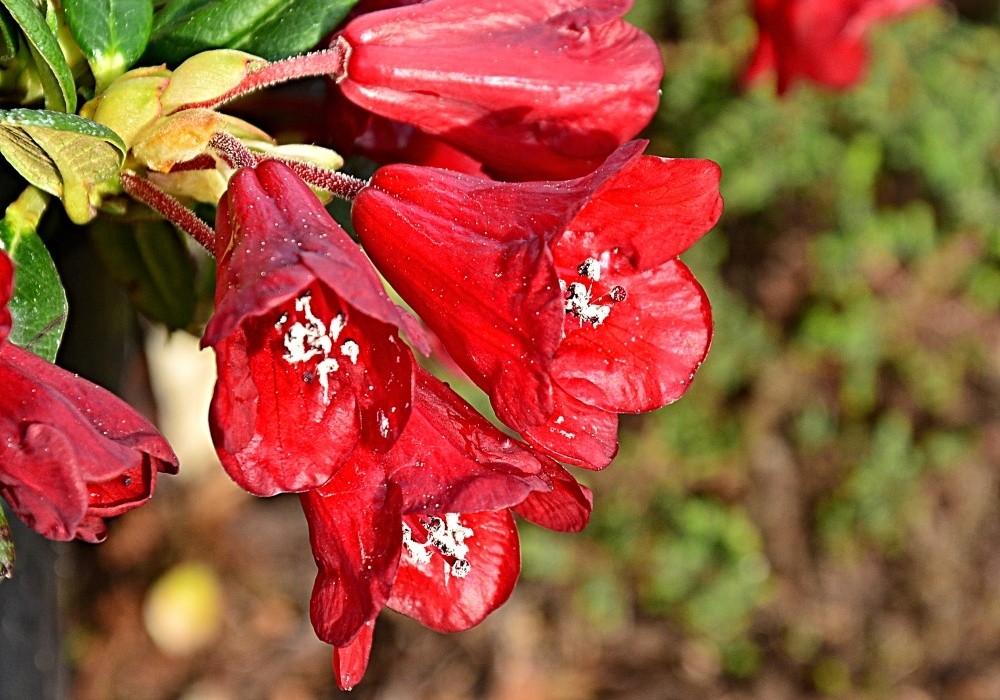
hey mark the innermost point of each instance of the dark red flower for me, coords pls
(308, 352)
(818, 40)
(73, 453)
(531, 88)
(564, 301)
(424, 527)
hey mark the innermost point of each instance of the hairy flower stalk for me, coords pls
(237, 155)
(169, 208)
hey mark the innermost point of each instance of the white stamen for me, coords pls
(416, 551)
(350, 350)
(383, 424)
(591, 269)
(446, 535)
(308, 339)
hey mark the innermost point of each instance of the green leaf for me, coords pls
(53, 70)
(152, 262)
(111, 33)
(63, 154)
(8, 36)
(272, 29)
(38, 307)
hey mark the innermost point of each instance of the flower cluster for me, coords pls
(563, 299)
(518, 219)
(822, 41)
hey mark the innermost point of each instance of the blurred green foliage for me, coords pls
(853, 275)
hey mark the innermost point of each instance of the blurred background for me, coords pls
(817, 517)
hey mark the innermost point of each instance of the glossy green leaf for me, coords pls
(151, 261)
(8, 36)
(111, 33)
(38, 307)
(53, 70)
(63, 154)
(272, 29)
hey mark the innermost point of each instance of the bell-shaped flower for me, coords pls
(309, 357)
(822, 41)
(73, 453)
(425, 529)
(531, 88)
(563, 300)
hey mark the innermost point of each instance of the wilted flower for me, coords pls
(72, 453)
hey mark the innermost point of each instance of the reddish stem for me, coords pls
(169, 208)
(237, 155)
(330, 62)
(232, 150)
(339, 184)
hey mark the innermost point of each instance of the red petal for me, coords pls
(354, 530)
(382, 378)
(42, 483)
(451, 459)
(272, 431)
(113, 419)
(566, 508)
(68, 439)
(533, 88)
(644, 355)
(576, 433)
(430, 593)
(351, 661)
(651, 211)
(469, 256)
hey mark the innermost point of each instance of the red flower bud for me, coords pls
(531, 88)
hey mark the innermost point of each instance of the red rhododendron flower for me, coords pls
(424, 528)
(73, 452)
(563, 300)
(309, 357)
(531, 88)
(818, 40)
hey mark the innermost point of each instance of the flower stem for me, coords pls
(339, 184)
(330, 62)
(237, 155)
(169, 208)
(232, 150)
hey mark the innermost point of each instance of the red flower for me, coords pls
(73, 453)
(563, 300)
(424, 528)
(531, 88)
(309, 357)
(818, 40)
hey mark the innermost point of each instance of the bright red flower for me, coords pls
(307, 347)
(424, 528)
(531, 88)
(73, 453)
(564, 301)
(818, 40)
